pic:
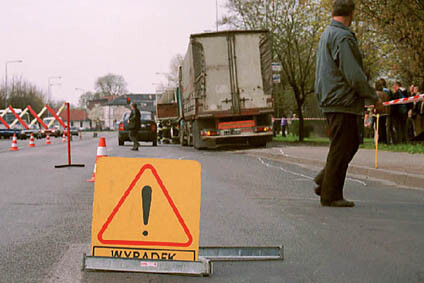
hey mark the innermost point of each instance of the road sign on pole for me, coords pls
(147, 209)
(276, 78)
(276, 67)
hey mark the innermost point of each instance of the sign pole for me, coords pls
(376, 141)
(68, 131)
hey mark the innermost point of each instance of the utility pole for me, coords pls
(216, 8)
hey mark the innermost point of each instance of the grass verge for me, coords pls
(412, 148)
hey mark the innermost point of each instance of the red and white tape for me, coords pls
(405, 100)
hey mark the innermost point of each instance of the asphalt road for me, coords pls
(45, 219)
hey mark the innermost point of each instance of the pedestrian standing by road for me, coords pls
(283, 125)
(341, 88)
(383, 131)
(400, 113)
(134, 125)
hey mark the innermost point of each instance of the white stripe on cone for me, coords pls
(31, 141)
(14, 145)
(101, 152)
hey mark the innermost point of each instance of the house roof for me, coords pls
(75, 115)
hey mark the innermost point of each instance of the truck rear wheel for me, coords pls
(198, 126)
(183, 141)
(197, 139)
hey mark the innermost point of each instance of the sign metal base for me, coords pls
(203, 267)
(241, 253)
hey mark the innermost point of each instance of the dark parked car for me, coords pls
(34, 129)
(147, 130)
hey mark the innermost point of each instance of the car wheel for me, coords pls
(120, 142)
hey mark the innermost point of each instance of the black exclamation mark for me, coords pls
(146, 198)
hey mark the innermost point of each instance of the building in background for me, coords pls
(114, 110)
(79, 119)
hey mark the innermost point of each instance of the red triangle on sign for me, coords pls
(145, 243)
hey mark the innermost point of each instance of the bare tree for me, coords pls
(111, 84)
(85, 97)
(96, 115)
(172, 76)
(23, 93)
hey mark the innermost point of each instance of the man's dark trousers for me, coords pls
(344, 143)
(134, 138)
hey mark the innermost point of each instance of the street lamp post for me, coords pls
(50, 84)
(5, 80)
(216, 10)
(82, 92)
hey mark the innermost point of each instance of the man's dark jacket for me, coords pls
(134, 120)
(341, 85)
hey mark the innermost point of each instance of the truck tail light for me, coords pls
(262, 129)
(209, 133)
(121, 126)
(153, 127)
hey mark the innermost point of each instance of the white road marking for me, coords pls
(302, 175)
(285, 170)
(357, 181)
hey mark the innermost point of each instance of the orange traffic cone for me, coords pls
(14, 145)
(101, 152)
(31, 141)
(48, 139)
(63, 137)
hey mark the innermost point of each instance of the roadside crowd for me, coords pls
(398, 123)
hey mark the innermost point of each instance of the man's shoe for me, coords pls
(135, 149)
(317, 190)
(338, 203)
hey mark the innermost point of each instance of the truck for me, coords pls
(167, 116)
(225, 85)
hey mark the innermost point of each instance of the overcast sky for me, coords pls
(81, 40)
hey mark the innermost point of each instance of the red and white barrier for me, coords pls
(18, 118)
(405, 100)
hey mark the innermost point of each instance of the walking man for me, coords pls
(134, 125)
(341, 88)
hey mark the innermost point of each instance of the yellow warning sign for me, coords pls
(146, 208)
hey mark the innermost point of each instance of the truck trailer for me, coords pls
(226, 89)
(167, 116)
